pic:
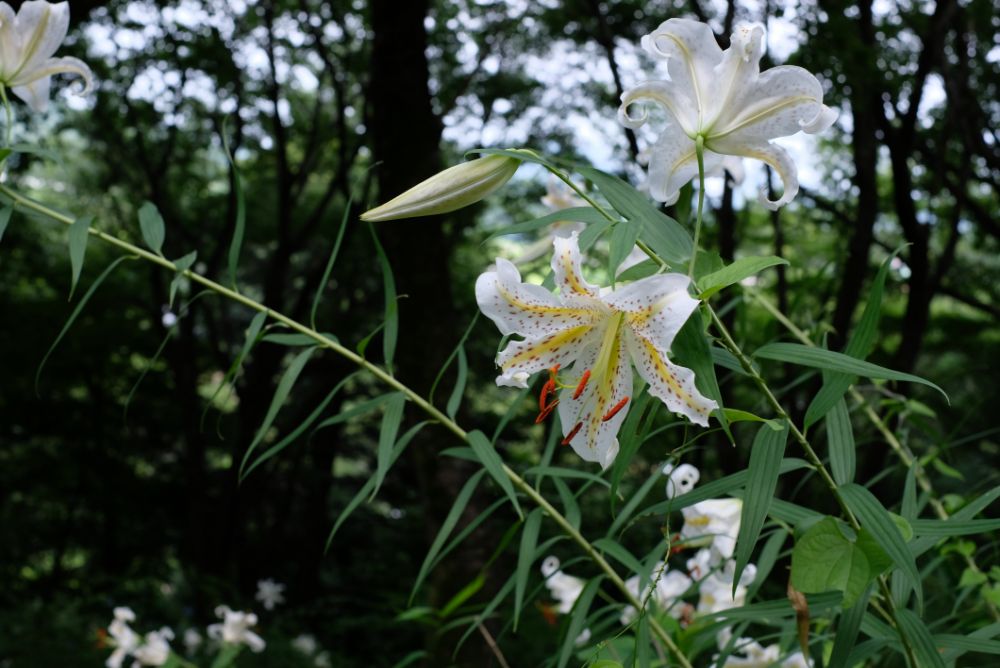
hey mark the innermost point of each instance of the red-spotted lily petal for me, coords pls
(722, 97)
(593, 340)
(27, 42)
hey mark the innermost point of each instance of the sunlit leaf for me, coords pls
(152, 227)
(734, 273)
(79, 235)
(840, 437)
(329, 264)
(490, 459)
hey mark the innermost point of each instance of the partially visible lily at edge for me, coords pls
(601, 333)
(28, 40)
(722, 99)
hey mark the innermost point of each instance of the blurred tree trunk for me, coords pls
(406, 134)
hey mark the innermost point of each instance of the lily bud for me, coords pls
(452, 189)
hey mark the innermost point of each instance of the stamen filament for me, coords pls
(546, 411)
(572, 432)
(582, 384)
(614, 411)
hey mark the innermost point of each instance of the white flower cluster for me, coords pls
(151, 650)
(712, 526)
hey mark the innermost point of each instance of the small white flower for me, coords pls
(564, 588)
(192, 640)
(716, 589)
(169, 319)
(680, 479)
(306, 644)
(235, 629)
(715, 520)
(270, 593)
(121, 637)
(322, 660)
(155, 649)
(702, 563)
(28, 40)
(670, 586)
(583, 638)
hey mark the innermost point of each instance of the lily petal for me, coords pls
(43, 27)
(672, 384)
(52, 66)
(668, 95)
(656, 307)
(520, 359)
(780, 162)
(10, 42)
(692, 54)
(566, 264)
(523, 308)
(674, 163)
(596, 440)
(35, 94)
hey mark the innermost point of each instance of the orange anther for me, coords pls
(548, 388)
(546, 411)
(614, 411)
(582, 384)
(572, 432)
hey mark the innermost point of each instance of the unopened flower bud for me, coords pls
(452, 189)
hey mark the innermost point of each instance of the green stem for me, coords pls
(9, 113)
(699, 149)
(386, 378)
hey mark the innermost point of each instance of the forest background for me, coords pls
(330, 107)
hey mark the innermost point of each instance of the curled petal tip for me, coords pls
(825, 117)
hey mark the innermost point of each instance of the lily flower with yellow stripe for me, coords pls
(723, 99)
(594, 337)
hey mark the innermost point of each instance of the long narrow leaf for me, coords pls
(950, 527)
(525, 558)
(734, 273)
(582, 214)
(79, 235)
(490, 459)
(182, 264)
(239, 229)
(5, 214)
(149, 365)
(285, 386)
(847, 631)
(457, 508)
(920, 639)
(365, 490)
(390, 331)
(455, 400)
(692, 350)
(152, 228)
(840, 437)
(877, 520)
(762, 478)
(795, 353)
(356, 410)
(76, 312)
(249, 341)
(391, 419)
(578, 620)
(329, 264)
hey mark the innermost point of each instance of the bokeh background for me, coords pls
(330, 107)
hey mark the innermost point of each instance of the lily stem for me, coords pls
(9, 113)
(387, 378)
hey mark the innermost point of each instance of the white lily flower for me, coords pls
(680, 479)
(749, 653)
(27, 41)
(235, 629)
(602, 334)
(716, 590)
(702, 563)
(121, 637)
(305, 643)
(724, 98)
(192, 640)
(564, 588)
(669, 587)
(155, 649)
(715, 519)
(270, 593)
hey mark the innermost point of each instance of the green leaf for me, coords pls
(638, 271)
(249, 341)
(824, 559)
(874, 517)
(5, 214)
(461, 501)
(329, 263)
(663, 234)
(847, 631)
(629, 509)
(578, 621)
(227, 655)
(455, 400)
(239, 228)
(623, 238)
(525, 558)
(951, 527)
(919, 637)
(365, 490)
(489, 458)
(691, 349)
(391, 322)
(802, 355)
(522, 154)
(145, 370)
(182, 264)
(152, 228)
(391, 419)
(562, 472)
(762, 478)
(766, 560)
(76, 312)
(969, 643)
(840, 437)
(361, 408)
(454, 354)
(590, 236)
(581, 214)
(571, 509)
(860, 345)
(734, 273)
(463, 595)
(622, 556)
(79, 235)
(295, 340)
(298, 431)
(285, 386)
